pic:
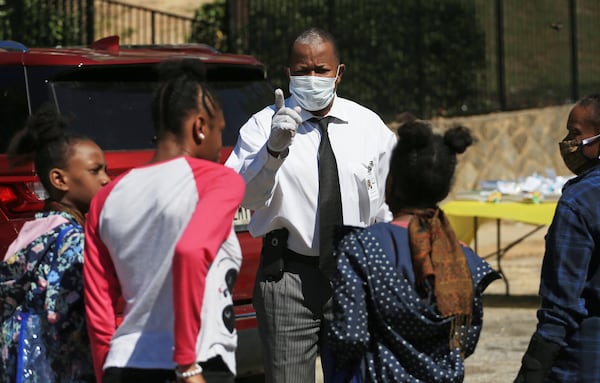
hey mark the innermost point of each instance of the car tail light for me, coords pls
(7, 194)
(19, 200)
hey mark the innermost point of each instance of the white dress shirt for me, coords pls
(283, 192)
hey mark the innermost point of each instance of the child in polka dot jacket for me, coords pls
(407, 294)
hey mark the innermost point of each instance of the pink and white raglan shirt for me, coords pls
(162, 237)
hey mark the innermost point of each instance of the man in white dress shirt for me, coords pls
(278, 155)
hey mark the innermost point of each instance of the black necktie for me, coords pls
(330, 201)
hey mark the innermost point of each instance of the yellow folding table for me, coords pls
(466, 216)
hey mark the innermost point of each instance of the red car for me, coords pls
(107, 90)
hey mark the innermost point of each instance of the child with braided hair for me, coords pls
(162, 236)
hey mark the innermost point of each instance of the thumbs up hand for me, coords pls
(283, 125)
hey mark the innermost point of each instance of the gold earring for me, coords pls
(201, 136)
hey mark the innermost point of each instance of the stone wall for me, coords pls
(509, 145)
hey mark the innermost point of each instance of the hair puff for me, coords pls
(458, 138)
(414, 134)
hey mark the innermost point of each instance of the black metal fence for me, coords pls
(47, 23)
(430, 57)
(78, 22)
(140, 25)
(536, 52)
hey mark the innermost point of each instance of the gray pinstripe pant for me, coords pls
(291, 313)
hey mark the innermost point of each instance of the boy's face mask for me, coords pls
(572, 154)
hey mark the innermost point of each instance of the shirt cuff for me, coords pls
(273, 163)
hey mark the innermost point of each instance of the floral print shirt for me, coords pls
(44, 280)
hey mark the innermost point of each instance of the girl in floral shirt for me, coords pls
(43, 332)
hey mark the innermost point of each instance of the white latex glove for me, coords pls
(283, 125)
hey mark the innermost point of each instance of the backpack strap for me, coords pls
(61, 236)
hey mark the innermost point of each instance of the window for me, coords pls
(13, 103)
(116, 112)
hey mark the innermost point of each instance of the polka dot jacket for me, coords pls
(382, 331)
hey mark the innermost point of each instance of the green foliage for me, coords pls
(38, 22)
(418, 56)
(422, 56)
(210, 25)
(4, 24)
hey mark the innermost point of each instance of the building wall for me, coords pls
(509, 145)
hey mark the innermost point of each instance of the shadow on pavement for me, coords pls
(503, 300)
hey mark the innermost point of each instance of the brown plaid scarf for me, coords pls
(437, 257)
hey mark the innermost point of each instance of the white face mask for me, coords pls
(313, 93)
